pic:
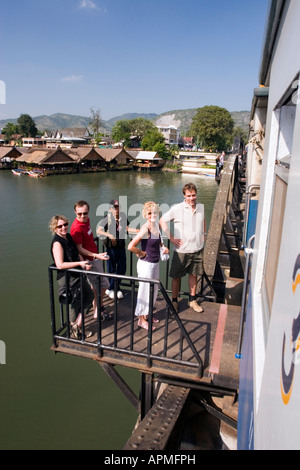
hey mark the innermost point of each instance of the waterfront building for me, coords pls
(171, 134)
(146, 160)
(8, 154)
(67, 138)
(33, 142)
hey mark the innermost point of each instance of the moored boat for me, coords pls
(19, 172)
(36, 173)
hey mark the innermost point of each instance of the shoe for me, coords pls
(110, 293)
(195, 306)
(75, 331)
(106, 316)
(87, 333)
(175, 305)
(120, 295)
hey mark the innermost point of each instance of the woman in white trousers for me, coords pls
(148, 264)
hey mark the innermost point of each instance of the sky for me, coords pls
(128, 56)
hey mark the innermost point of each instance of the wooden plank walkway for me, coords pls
(214, 333)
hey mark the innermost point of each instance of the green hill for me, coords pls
(179, 118)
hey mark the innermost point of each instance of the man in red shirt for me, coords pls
(82, 235)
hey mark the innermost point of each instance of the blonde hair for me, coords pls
(54, 220)
(149, 206)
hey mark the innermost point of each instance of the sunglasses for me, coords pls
(63, 225)
(80, 214)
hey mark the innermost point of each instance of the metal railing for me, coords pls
(226, 196)
(61, 328)
(249, 253)
(249, 193)
(205, 288)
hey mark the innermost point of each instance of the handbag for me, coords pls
(163, 256)
(74, 292)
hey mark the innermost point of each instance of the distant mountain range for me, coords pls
(179, 118)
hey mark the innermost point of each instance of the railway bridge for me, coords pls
(190, 359)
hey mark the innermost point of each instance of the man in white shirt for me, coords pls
(188, 239)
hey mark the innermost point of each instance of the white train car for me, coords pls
(269, 399)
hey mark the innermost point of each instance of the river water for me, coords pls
(48, 400)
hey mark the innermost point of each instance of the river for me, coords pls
(56, 401)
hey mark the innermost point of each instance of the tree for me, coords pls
(212, 127)
(140, 126)
(96, 121)
(9, 130)
(162, 151)
(151, 138)
(125, 128)
(121, 132)
(26, 126)
(238, 131)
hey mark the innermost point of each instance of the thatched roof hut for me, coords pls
(115, 156)
(46, 157)
(7, 154)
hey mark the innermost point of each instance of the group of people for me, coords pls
(78, 249)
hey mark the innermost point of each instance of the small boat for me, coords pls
(36, 173)
(19, 172)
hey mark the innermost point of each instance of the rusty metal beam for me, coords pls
(123, 386)
(156, 429)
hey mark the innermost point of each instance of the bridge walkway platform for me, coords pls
(189, 346)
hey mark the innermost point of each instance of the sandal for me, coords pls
(75, 331)
(87, 333)
(105, 315)
(146, 326)
(154, 319)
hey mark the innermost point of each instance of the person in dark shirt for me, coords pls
(114, 228)
(66, 256)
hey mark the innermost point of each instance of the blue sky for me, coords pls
(125, 56)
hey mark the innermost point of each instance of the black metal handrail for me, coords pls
(62, 331)
(206, 289)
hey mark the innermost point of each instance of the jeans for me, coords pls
(116, 264)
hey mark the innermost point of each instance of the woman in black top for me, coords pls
(65, 255)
